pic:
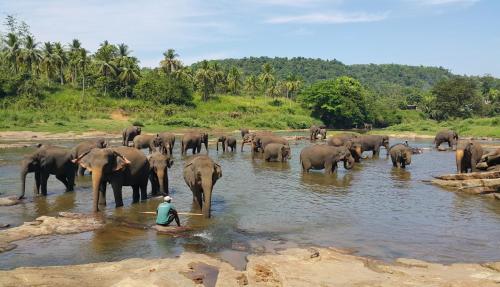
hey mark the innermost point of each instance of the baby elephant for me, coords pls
(277, 152)
(158, 176)
(400, 155)
(226, 142)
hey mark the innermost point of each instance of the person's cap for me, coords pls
(167, 198)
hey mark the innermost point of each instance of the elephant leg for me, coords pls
(135, 194)
(81, 170)
(44, 176)
(144, 191)
(36, 188)
(102, 190)
(449, 144)
(155, 185)
(117, 191)
(62, 179)
(71, 181)
(328, 167)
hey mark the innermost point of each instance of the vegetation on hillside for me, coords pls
(84, 88)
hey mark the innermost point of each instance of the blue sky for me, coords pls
(462, 35)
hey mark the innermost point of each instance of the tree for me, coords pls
(338, 103)
(129, 73)
(234, 81)
(48, 63)
(60, 60)
(104, 61)
(205, 80)
(83, 62)
(12, 51)
(74, 55)
(160, 88)
(266, 77)
(457, 97)
(170, 64)
(218, 77)
(30, 54)
(252, 84)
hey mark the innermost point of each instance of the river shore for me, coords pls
(291, 267)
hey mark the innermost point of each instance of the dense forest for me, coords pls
(339, 95)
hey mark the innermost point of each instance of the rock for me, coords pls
(472, 175)
(8, 201)
(4, 225)
(171, 230)
(47, 225)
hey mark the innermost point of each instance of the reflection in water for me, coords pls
(376, 209)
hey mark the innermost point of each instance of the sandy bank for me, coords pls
(291, 267)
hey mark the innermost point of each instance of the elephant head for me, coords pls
(221, 139)
(356, 149)
(101, 162)
(159, 164)
(346, 157)
(385, 142)
(138, 130)
(201, 174)
(29, 164)
(101, 143)
(204, 140)
(406, 156)
(286, 153)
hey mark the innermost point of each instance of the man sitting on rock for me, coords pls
(166, 213)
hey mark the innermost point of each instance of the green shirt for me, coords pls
(163, 212)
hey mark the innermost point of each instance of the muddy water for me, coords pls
(375, 209)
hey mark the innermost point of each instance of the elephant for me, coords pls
(325, 157)
(259, 142)
(84, 147)
(277, 152)
(193, 141)
(490, 160)
(356, 150)
(200, 174)
(322, 132)
(226, 142)
(129, 134)
(244, 131)
(168, 142)
(368, 126)
(468, 154)
(313, 132)
(159, 164)
(119, 166)
(400, 155)
(372, 143)
(448, 136)
(248, 138)
(340, 139)
(45, 161)
(151, 142)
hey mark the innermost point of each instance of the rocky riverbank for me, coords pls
(291, 267)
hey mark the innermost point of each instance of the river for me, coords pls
(374, 209)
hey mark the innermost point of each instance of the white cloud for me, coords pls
(329, 18)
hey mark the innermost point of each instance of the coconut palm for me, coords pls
(170, 64)
(83, 62)
(218, 76)
(274, 90)
(123, 50)
(12, 51)
(266, 77)
(204, 80)
(30, 54)
(60, 59)
(252, 84)
(129, 71)
(74, 54)
(234, 81)
(48, 63)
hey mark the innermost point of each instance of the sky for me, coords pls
(460, 35)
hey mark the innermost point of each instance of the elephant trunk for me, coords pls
(207, 197)
(348, 162)
(459, 155)
(24, 172)
(96, 184)
(163, 181)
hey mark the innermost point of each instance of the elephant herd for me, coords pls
(128, 166)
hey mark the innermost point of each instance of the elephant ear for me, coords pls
(218, 171)
(121, 161)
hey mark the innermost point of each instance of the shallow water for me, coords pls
(377, 210)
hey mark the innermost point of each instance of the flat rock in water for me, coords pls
(8, 201)
(171, 229)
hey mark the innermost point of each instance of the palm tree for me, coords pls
(218, 76)
(48, 62)
(106, 68)
(184, 74)
(204, 80)
(74, 55)
(60, 59)
(123, 50)
(266, 76)
(274, 90)
(12, 51)
(129, 71)
(83, 62)
(170, 64)
(234, 81)
(252, 84)
(30, 54)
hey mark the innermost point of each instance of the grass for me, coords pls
(413, 121)
(65, 110)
